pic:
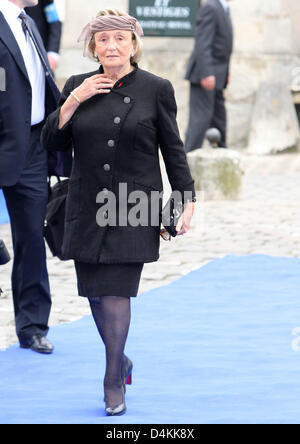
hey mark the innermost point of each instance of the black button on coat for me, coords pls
(139, 116)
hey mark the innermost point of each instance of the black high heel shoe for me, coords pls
(126, 372)
(117, 410)
(126, 377)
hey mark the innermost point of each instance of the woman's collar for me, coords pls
(125, 80)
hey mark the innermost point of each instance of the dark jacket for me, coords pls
(15, 106)
(116, 137)
(48, 23)
(213, 45)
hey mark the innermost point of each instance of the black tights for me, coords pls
(112, 317)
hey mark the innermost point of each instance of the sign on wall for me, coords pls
(174, 18)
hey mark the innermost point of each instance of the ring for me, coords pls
(99, 91)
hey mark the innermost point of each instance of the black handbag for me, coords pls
(55, 217)
(4, 254)
(171, 213)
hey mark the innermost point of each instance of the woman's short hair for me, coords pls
(138, 42)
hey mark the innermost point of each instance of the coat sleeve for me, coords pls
(171, 145)
(54, 37)
(204, 38)
(54, 26)
(54, 139)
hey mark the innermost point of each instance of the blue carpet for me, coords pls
(214, 347)
(4, 219)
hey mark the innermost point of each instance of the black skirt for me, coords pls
(108, 279)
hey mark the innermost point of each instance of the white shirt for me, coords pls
(31, 58)
(225, 5)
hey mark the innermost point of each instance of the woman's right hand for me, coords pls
(97, 84)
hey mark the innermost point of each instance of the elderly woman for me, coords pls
(116, 118)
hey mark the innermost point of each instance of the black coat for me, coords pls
(15, 107)
(213, 45)
(49, 27)
(116, 137)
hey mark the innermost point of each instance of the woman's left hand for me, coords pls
(184, 222)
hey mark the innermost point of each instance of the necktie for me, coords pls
(26, 28)
(23, 18)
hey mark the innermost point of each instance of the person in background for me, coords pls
(61, 9)
(30, 94)
(4, 257)
(208, 73)
(46, 17)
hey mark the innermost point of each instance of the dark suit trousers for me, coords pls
(207, 110)
(26, 202)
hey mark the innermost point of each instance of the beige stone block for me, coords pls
(217, 173)
(255, 7)
(249, 34)
(274, 126)
(238, 122)
(273, 7)
(292, 8)
(277, 35)
(79, 13)
(72, 62)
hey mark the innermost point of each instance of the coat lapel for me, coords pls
(10, 42)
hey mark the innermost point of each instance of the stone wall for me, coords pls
(267, 48)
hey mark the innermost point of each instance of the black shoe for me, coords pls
(126, 372)
(39, 344)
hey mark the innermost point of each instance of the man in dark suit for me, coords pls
(49, 25)
(30, 94)
(208, 72)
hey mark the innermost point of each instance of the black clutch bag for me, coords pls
(4, 254)
(55, 217)
(170, 216)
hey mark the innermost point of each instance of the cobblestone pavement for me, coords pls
(266, 220)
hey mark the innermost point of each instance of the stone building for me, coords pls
(267, 49)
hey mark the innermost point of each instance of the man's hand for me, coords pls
(208, 83)
(53, 61)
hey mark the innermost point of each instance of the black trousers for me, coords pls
(26, 203)
(207, 110)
